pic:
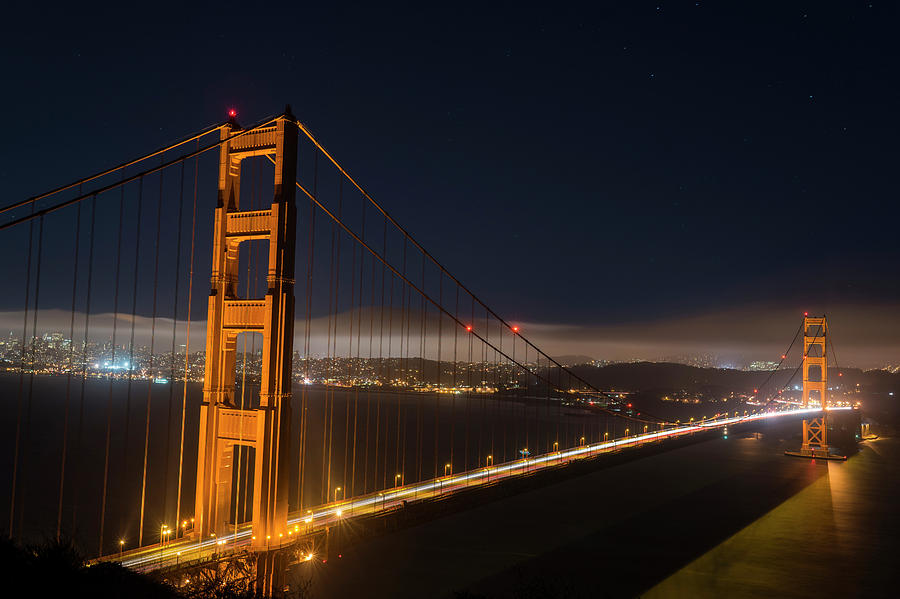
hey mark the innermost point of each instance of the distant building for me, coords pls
(763, 365)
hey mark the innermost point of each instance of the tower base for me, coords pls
(815, 453)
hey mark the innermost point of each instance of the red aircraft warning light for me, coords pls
(232, 113)
(515, 329)
(469, 328)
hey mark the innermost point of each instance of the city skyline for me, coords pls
(865, 336)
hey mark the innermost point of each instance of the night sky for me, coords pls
(601, 173)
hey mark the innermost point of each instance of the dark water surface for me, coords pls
(721, 518)
(412, 434)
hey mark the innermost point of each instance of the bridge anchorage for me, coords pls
(815, 384)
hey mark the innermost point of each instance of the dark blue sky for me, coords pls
(609, 165)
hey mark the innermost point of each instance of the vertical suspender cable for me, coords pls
(455, 382)
(440, 369)
(84, 356)
(304, 411)
(113, 351)
(151, 374)
(362, 265)
(187, 345)
(12, 497)
(390, 381)
(177, 269)
(65, 441)
(137, 247)
(369, 393)
(27, 436)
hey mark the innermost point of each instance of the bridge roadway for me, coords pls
(189, 549)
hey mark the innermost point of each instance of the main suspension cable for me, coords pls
(408, 236)
(130, 178)
(88, 179)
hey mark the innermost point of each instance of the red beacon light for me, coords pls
(515, 329)
(806, 314)
(469, 328)
(232, 113)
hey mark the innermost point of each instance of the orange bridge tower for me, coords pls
(815, 387)
(223, 424)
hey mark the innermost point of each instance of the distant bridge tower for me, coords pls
(815, 380)
(223, 425)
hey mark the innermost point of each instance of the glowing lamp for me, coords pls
(469, 328)
(515, 329)
(232, 113)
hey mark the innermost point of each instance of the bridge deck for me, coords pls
(190, 549)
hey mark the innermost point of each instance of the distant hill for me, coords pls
(573, 359)
(644, 376)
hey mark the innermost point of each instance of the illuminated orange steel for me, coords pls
(223, 424)
(815, 430)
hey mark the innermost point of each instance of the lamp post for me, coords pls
(488, 462)
(121, 547)
(162, 538)
(398, 480)
(336, 489)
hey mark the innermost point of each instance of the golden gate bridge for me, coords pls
(345, 371)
